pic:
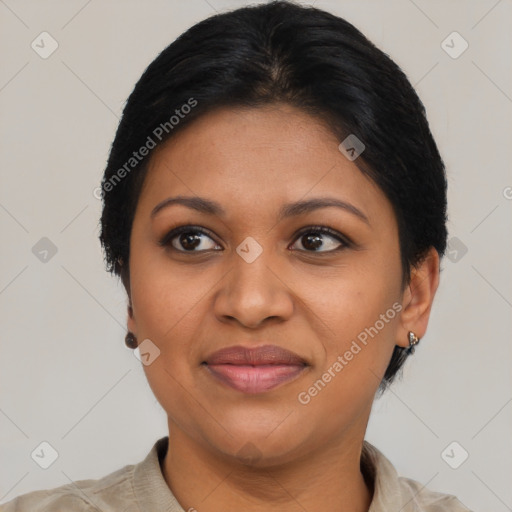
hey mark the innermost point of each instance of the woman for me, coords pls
(275, 206)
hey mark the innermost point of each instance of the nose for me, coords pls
(254, 293)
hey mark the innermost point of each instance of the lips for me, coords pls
(254, 370)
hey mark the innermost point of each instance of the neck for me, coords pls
(329, 479)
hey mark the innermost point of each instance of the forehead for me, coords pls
(251, 159)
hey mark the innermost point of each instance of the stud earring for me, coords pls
(130, 340)
(413, 340)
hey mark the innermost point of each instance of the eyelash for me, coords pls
(345, 241)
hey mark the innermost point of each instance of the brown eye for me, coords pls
(321, 239)
(189, 239)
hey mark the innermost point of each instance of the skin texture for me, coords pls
(229, 450)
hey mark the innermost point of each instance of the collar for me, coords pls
(153, 493)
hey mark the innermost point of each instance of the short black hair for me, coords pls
(281, 52)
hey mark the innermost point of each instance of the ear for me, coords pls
(418, 298)
(125, 279)
(131, 324)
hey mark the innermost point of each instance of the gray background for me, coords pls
(66, 376)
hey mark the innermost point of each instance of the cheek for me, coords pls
(356, 315)
(350, 299)
(168, 311)
(167, 298)
(354, 362)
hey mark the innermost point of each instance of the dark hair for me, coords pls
(304, 57)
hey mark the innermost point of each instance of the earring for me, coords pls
(413, 340)
(130, 340)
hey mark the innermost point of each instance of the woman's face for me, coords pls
(262, 275)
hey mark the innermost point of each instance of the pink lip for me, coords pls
(255, 370)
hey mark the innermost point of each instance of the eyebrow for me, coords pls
(210, 207)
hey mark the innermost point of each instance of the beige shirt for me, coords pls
(142, 488)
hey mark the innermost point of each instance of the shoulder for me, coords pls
(394, 492)
(52, 500)
(112, 492)
(429, 501)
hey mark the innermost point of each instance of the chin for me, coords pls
(257, 455)
(260, 448)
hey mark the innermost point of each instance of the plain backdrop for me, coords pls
(66, 377)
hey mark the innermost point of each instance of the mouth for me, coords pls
(254, 370)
